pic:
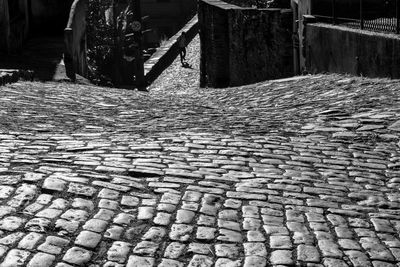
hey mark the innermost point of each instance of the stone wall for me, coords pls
(331, 48)
(243, 45)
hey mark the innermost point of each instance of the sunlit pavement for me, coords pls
(299, 172)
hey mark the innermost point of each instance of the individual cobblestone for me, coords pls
(15, 257)
(174, 250)
(78, 256)
(88, 239)
(119, 252)
(180, 232)
(53, 245)
(140, 261)
(41, 260)
(30, 241)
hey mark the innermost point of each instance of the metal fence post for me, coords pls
(361, 15)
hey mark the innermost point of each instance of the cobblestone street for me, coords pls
(296, 172)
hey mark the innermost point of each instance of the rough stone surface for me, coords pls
(269, 174)
(243, 45)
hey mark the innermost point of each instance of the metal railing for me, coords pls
(374, 15)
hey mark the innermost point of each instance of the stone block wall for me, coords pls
(331, 48)
(243, 45)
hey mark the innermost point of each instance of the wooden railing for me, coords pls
(75, 40)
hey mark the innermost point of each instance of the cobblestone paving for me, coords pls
(302, 172)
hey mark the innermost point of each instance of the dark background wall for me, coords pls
(163, 18)
(20, 19)
(166, 18)
(351, 8)
(14, 24)
(49, 17)
(332, 48)
(4, 26)
(243, 45)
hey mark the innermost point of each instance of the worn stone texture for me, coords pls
(242, 46)
(332, 48)
(183, 176)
